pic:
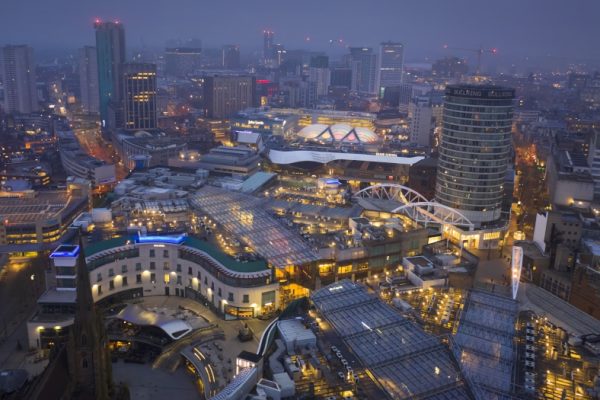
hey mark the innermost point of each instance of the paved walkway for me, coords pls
(146, 383)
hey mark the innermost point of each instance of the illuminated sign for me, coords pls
(65, 250)
(516, 266)
(160, 239)
(336, 288)
(255, 122)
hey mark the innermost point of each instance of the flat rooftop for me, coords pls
(44, 205)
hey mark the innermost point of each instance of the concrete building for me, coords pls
(78, 163)
(182, 61)
(32, 219)
(88, 79)
(594, 161)
(391, 62)
(569, 180)
(226, 95)
(110, 50)
(319, 74)
(231, 56)
(144, 149)
(139, 96)
(475, 150)
(18, 75)
(421, 121)
(235, 161)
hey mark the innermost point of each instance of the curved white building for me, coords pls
(284, 157)
(182, 266)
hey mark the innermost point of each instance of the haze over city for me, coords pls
(331, 200)
(550, 32)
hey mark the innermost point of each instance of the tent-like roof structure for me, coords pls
(343, 133)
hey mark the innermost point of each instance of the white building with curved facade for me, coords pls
(182, 266)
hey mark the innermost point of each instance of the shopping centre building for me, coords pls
(134, 266)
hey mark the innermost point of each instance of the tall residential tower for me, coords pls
(88, 79)
(18, 75)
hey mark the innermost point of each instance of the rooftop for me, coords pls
(406, 361)
(245, 217)
(189, 241)
(42, 206)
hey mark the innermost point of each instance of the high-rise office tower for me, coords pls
(421, 121)
(391, 61)
(319, 74)
(364, 69)
(231, 56)
(18, 75)
(474, 150)
(139, 86)
(110, 53)
(279, 55)
(88, 79)
(268, 47)
(182, 61)
(228, 94)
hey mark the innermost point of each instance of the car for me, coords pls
(338, 354)
(529, 363)
(355, 377)
(344, 361)
(530, 347)
(341, 375)
(334, 349)
(530, 339)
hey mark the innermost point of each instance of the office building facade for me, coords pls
(364, 69)
(226, 95)
(231, 56)
(182, 61)
(88, 79)
(139, 85)
(391, 62)
(421, 121)
(474, 151)
(268, 47)
(110, 53)
(18, 76)
(319, 74)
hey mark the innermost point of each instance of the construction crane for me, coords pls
(480, 51)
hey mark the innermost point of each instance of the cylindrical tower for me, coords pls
(475, 150)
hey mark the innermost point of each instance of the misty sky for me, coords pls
(567, 28)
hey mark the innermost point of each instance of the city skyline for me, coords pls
(560, 31)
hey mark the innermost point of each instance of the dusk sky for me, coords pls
(516, 27)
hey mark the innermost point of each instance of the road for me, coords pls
(22, 281)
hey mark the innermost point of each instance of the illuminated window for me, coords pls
(344, 269)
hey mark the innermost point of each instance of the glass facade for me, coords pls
(110, 51)
(475, 150)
